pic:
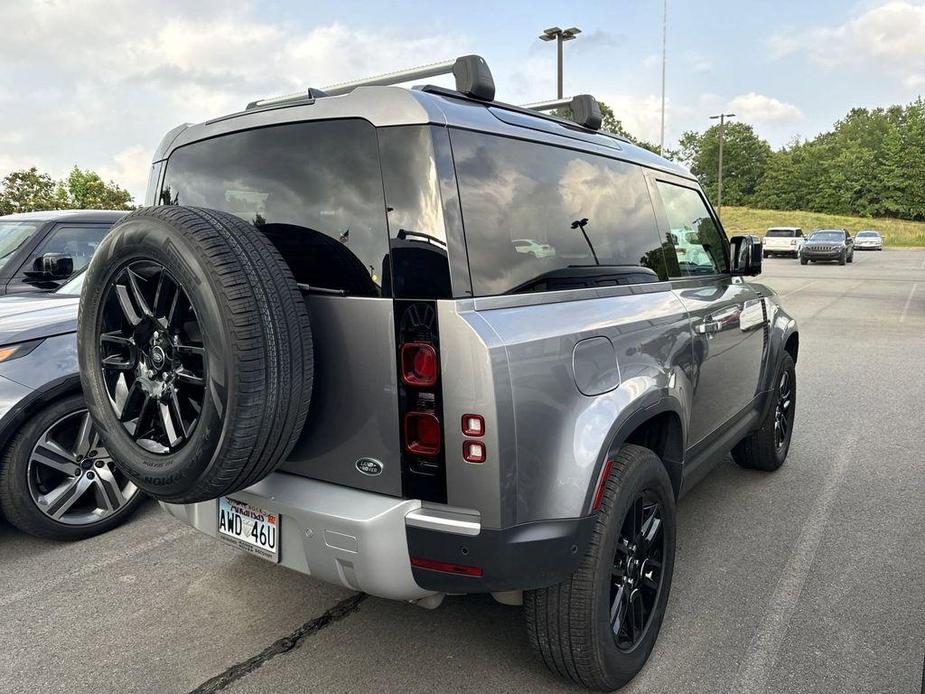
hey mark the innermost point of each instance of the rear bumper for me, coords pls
(337, 534)
(365, 541)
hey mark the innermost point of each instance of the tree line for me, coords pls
(871, 164)
(29, 190)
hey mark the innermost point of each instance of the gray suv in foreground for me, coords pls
(322, 344)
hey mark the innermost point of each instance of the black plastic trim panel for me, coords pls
(532, 555)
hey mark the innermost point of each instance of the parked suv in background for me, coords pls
(326, 347)
(782, 241)
(40, 251)
(828, 245)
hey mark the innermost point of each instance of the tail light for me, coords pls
(420, 401)
(422, 433)
(473, 451)
(419, 364)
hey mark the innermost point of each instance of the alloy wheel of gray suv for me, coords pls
(58, 481)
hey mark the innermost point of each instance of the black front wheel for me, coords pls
(767, 448)
(598, 627)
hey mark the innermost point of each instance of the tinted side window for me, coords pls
(78, 241)
(698, 243)
(418, 241)
(313, 188)
(542, 218)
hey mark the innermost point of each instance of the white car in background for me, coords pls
(534, 248)
(868, 240)
(782, 241)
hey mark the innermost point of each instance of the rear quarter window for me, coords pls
(542, 218)
(315, 189)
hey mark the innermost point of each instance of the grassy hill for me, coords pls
(896, 232)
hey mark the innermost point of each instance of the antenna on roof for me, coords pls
(584, 107)
(473, 78)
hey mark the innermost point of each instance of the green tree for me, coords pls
(745, 157)
(86, 190)
(28, 190)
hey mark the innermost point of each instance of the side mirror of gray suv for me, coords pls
(746, 255)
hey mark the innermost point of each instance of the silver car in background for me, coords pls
(868, 240)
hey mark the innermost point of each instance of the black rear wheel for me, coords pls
(598, 627)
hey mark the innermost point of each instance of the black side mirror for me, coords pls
(52, 266)
(746, 255)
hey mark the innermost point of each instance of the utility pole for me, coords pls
(560, 36)
(661, 142)
(719, 182)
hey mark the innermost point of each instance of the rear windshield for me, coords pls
(871, 234)
(12, 237)
(314, 189)
(541, 218)
(781, 233)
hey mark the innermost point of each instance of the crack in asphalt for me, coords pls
(289, 642)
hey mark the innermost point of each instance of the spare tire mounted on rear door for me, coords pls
(195, 352)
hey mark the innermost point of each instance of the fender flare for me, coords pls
(652, 406)
(37, 399)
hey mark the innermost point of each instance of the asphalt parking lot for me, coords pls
(811, 579)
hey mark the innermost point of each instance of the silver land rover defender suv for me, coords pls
(322, 341)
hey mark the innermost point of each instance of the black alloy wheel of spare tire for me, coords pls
(195, 352)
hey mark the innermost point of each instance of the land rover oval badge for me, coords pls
(369, 466)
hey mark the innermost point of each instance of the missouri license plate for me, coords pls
(249, 528)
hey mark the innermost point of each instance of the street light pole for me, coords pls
(719, 182)
(560, 36)
(661, 142)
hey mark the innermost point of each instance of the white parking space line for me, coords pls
(798, 289)
(761, 656)
(902, 317)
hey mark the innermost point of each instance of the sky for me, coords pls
(97, 83)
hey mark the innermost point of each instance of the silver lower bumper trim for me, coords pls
(339, 535)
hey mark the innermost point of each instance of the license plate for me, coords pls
(249, 528)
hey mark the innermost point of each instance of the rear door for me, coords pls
(726, 313)
(315, 190)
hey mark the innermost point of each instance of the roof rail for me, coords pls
(584, 107)
(473, 78)
(309, 95)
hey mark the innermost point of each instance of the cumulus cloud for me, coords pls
(889, 35)
(116, 76)
(754, 107)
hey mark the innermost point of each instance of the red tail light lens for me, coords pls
(419, 364)
(422, 433)
(445, 567)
